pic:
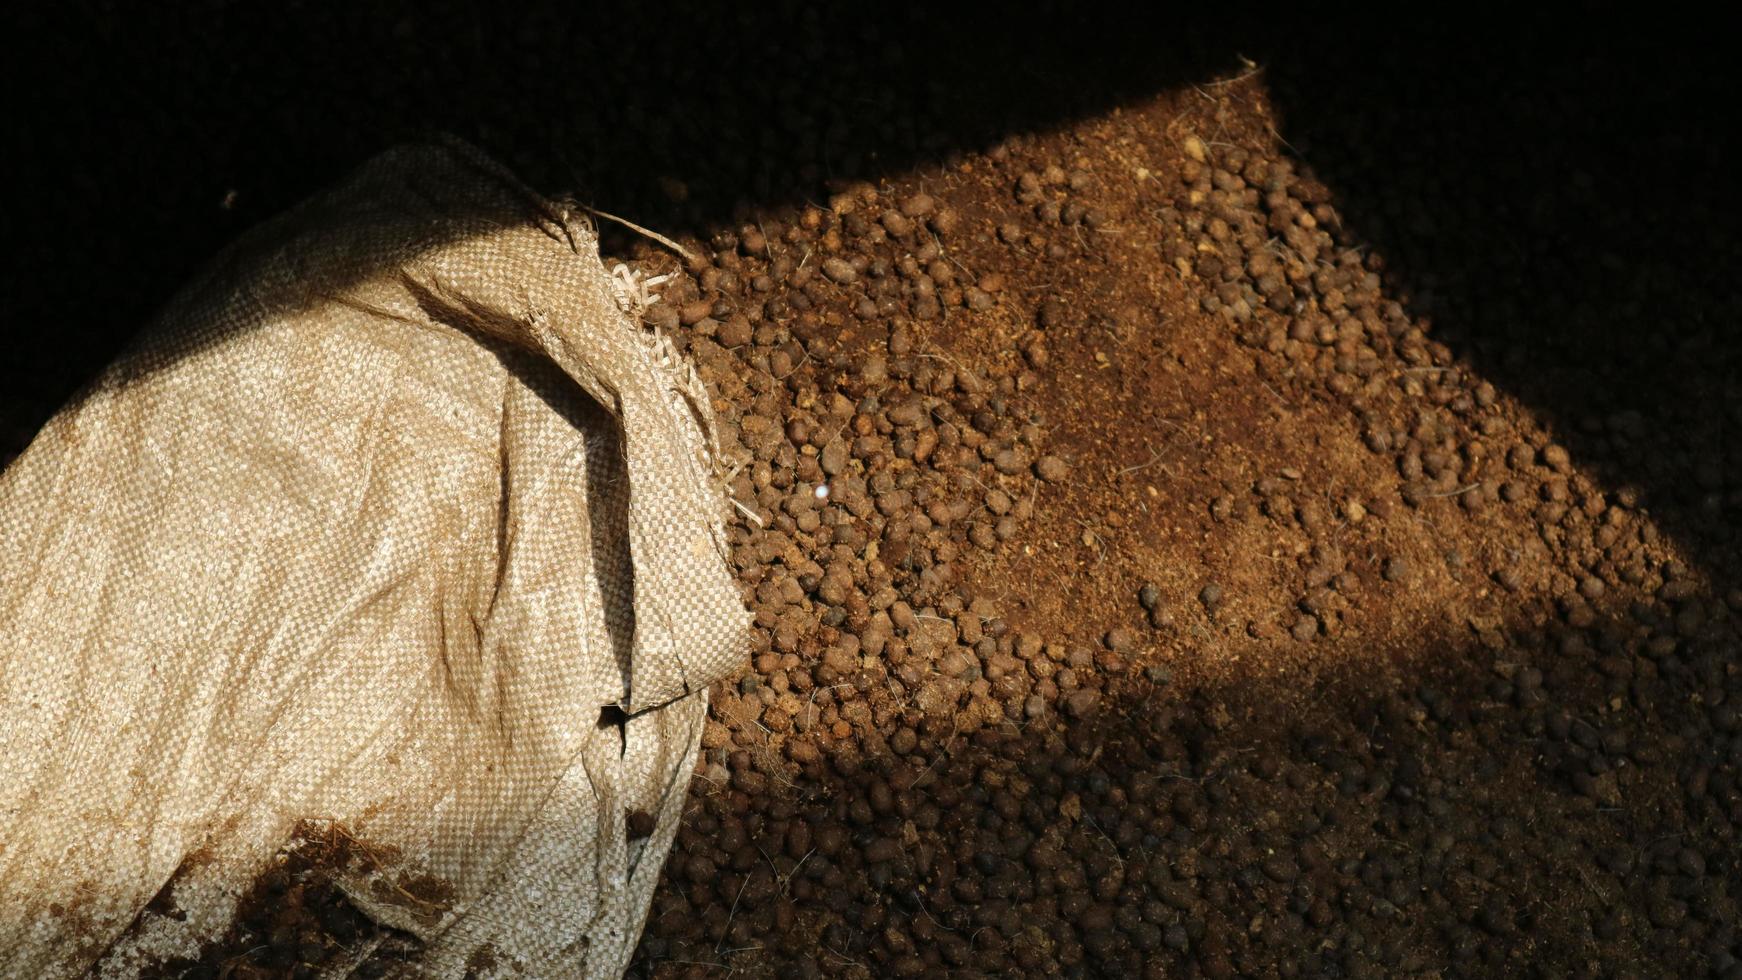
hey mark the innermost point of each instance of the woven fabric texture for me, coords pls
(365, 532)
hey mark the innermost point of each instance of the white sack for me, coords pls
(363, 534)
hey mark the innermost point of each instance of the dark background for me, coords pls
(1556, 192)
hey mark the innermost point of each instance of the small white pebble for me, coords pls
(822, 491)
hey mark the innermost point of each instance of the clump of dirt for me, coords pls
(296, 921)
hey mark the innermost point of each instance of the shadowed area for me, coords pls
(1203, 832)
(167, 134)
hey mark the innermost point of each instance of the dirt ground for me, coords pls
(1282, 480)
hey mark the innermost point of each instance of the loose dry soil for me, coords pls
(1281, 480)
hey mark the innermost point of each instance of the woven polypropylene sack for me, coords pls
(365, 533)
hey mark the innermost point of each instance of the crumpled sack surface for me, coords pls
(365, 533)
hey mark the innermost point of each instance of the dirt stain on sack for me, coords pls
(296, 919)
